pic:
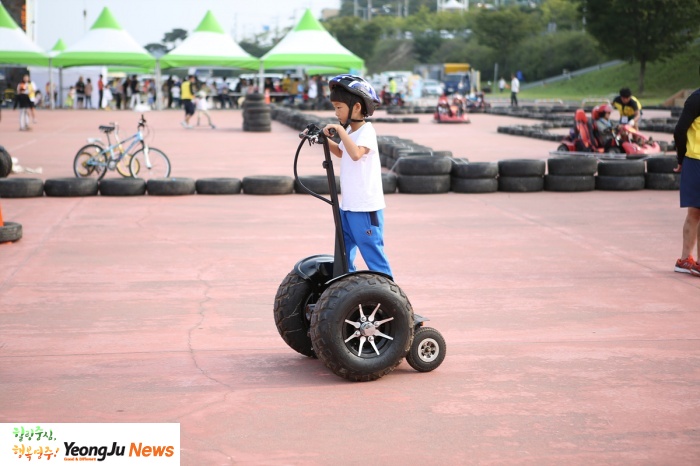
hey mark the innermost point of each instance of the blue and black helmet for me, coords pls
(359, 87)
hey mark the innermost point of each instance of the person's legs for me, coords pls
(367, 230)
(691, 228)
(350, 245)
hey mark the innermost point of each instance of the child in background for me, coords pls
(203, 108)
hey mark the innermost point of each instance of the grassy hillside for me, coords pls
(663, 79)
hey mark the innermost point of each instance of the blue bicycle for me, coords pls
(94, 160)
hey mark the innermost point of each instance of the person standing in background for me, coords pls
(514, 89)
(100, 92)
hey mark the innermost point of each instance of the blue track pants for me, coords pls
(365, 231)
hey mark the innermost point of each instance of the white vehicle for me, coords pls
(432, 88)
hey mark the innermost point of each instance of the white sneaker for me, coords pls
(184, 124)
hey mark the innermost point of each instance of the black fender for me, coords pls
(318, 270)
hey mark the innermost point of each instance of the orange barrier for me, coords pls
(2, 224)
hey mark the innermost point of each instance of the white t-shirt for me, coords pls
(515, 85)
(202, 103)
(361, 180)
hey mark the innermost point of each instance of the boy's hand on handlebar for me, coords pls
(331, 130)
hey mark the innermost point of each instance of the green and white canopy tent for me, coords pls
(15, 47)
(106, 43)
(309, 44)
(209, 46)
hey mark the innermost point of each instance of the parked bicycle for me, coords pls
(137, 160)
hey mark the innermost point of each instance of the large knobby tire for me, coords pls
(433, 184)
(521, 167)
(520, 184)
(663, 181)
(577, 165)
(293, 295)
(427, 351)
(569, 183)
(341, 336)
(263, 184)
(424, 166)
(619, 183)
(21, 187)
(10, 232)
(474, 185)
(218, 186)
(474, 169)
(5, 163)
(170, 186)
(70, 187)
(123, 187)
(615, 168)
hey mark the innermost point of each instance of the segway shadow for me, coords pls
(360, 324)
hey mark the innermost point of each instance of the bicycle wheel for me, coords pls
(155, 164)
(90, 162)
(123, 165)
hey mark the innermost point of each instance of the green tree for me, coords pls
(564, 13)
(170, 39)
(360, 37)
(503, 30)
(642, 30)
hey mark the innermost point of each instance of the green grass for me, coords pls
(662, 80)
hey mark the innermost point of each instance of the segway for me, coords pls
(360, 324)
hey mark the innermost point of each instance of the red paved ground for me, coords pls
(570, 339)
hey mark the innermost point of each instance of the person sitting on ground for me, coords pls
(604, 127)
(629, 107)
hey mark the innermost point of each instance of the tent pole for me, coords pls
(60, 87)
(261, 78)
(159, 91)
(51, 102)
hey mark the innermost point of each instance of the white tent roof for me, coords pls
(106, 43)
(309, 44)
(209, 45)
(15, 47)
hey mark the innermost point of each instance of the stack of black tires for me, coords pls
(256, 113)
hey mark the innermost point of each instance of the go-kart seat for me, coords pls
(586, 141)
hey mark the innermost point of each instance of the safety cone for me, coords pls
(2, 223)
(267, 96)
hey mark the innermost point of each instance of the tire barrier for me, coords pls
(256, 114)
(475, 177)
(660, 174)
(571, 174)
(5, 163)
(218, 186)
(263, 184)
(70, 187)
(389, 183)
(10, 232)
(170, 186)
(123, 187)
(620, 175)
(521, 175)
(21, 187)
(316, 183)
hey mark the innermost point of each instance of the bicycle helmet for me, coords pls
(360, 89)
(605, 108)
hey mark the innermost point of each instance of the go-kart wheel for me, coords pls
(427, 351)
(362, 327)
(293, 295)
(562, 148)
(614, 150)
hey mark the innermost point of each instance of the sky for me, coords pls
(148, 20)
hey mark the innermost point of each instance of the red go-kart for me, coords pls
(453, 112)
(627, 142)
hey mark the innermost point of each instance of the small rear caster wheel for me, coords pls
(427, 351)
